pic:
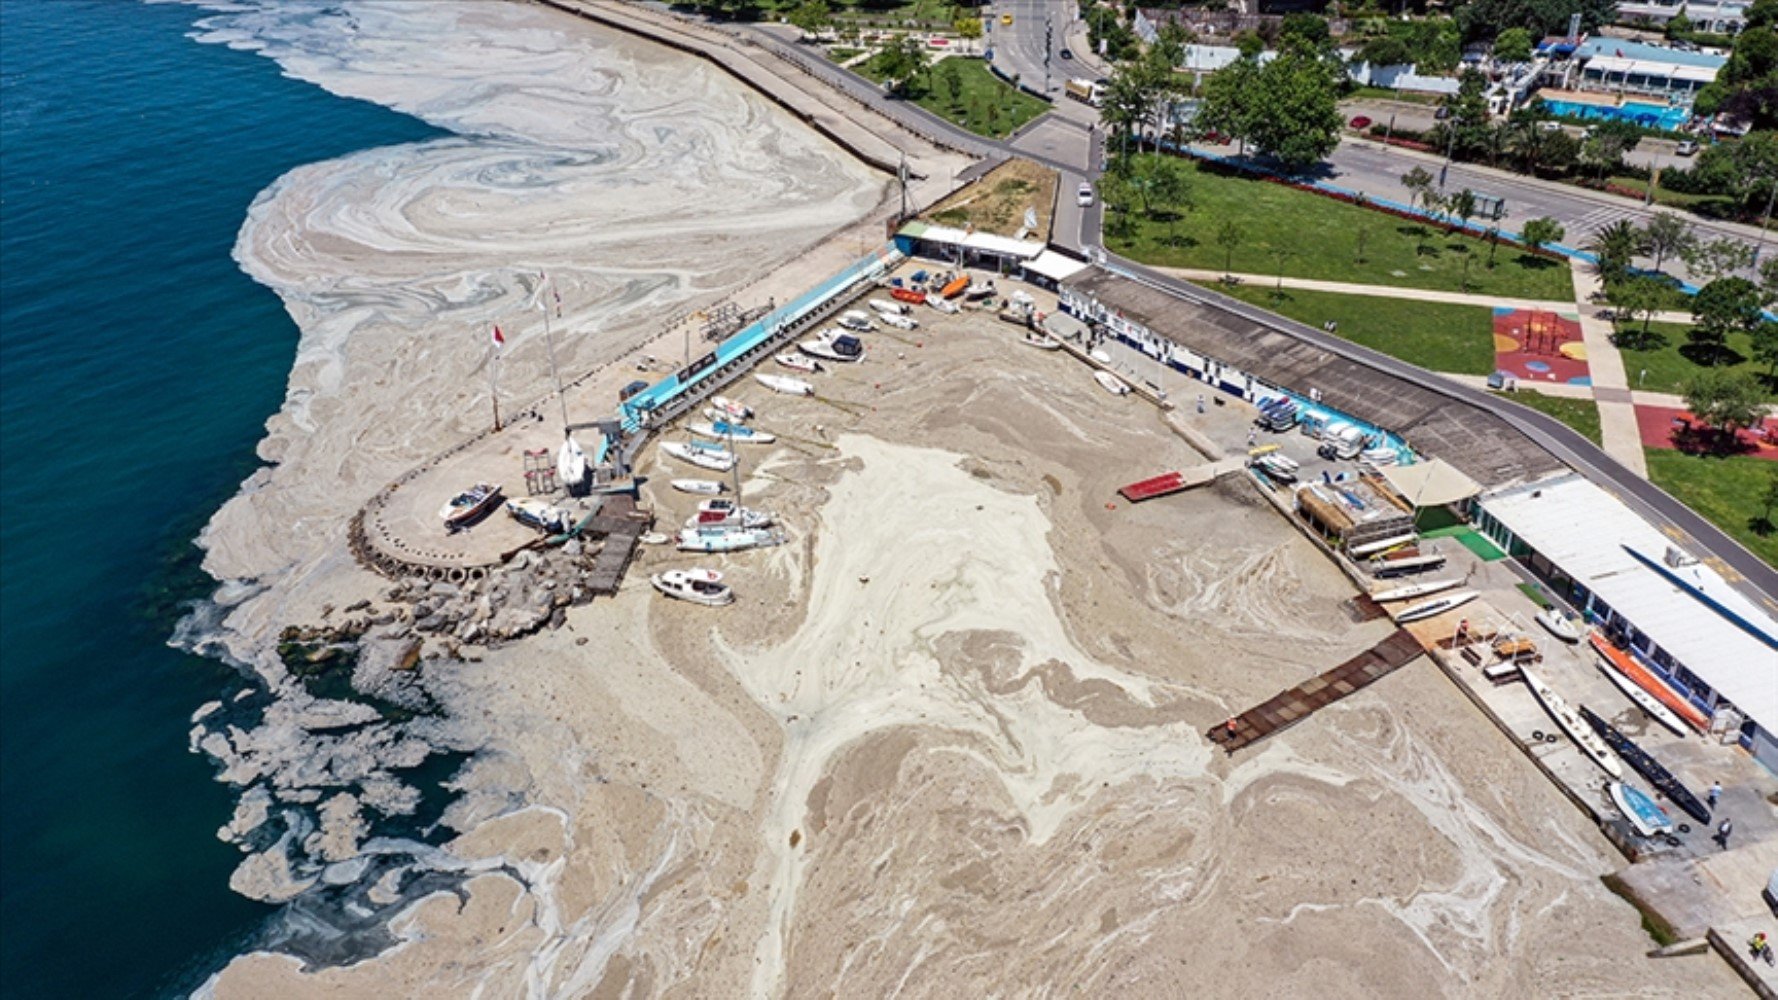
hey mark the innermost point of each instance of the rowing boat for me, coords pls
(1413, 590)
(1436, 606)
(1650, 705)
(1640, 809)
(1572, 724)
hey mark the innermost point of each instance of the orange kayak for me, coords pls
(956, 288)
(1645, 679)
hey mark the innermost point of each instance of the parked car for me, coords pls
(1443, 112)
(1006, 19)
(1549, 126)
(1686, 147)
(1066, 54)
(1360, 122)
(1084, 197)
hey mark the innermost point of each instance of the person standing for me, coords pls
(1715, 793)
(1723, 830)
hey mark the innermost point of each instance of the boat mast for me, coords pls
(550, 343)
(735, 467)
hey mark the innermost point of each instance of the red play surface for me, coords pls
(1540, 347)
(1659, 430)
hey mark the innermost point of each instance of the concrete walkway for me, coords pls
(1619, 435)
(1379, 291)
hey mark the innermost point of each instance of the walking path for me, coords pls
(1619, 434)
(1379, 291)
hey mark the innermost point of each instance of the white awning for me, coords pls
(1431, 483)
(1055, 266)
(1005, 246)
(1614, 66)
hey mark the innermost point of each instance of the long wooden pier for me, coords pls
(1292, 706)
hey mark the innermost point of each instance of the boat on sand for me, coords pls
(699, 586)
(701, 455)
(1111, 383)
(470, 506)
(834, 347)
(740, 411)
(1639, 808)
(1041, 341)
(725, 539)
(785, 384)
(738, 433)
(707, 487)
(798, 362)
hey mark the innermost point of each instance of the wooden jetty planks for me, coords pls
(1289, 707)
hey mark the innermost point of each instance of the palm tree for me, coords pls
(1615, 247)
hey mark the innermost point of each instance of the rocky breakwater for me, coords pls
(350, 712)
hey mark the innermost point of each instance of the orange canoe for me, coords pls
(956, 287)
(1630, 667)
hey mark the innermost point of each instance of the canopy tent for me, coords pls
(1431, 483)
(1054, 266)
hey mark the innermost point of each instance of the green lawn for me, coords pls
(1386, 94)
(1725, 490)
(1433, 335)
(1320, 236)
(984, 103)
(1666, 363)
(878, 13)
(1580, 414)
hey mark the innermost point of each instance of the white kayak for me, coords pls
(1572, 724)
(740, 411)
(1414, 590)
(1436, 606)
(942, 304)
(1100, 355)
(1650, 705)
(797, 362)
(709, 458)
(705, 487)
(888, 308)
(785, 384)
(1111, 383)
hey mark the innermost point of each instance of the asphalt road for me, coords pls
(1021, 47)
(1354, 164)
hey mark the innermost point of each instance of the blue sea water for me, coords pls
(137, 365)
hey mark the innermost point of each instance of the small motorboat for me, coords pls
(955, 287)
(799, 362)
(698, 454)
(1380, 456)
(1577, 730)
(1041, 341)
(887, 308)
(857, 320)
(910, 295)
(1436, 606)
(725, 539)
(1277, 466)
(470, 506)
(653, 538)
(941, 304)
(738, 433)
(1650, 705)
(1560, 624)
(1111, 383)
(784, 384)
(899, 321)
(704, 487)
(841, 347)
(740, 411)
(1100, 355)
(729, 517)
(1645, 816)
(534, 513)
(979, 290)
(1414, 590)
(699, 586)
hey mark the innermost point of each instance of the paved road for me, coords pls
(1353, 163)
(1376, 170)
(1021, 47)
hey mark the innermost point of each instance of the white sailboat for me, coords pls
(1111, 383)
(705, 487)
(737, 410)
(706, 457)
(730, 516)
(857, 320)
(1560, 624)
(734, 432)
(900, 322)
(797, 362)
(785, 384)
(1572, 724)
(725, 539)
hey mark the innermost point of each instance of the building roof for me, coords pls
(989, 242)
(1612, 66)
(1481, 444)
(1642, 52)
(1707, 625)
(1055, 266)
(1431, 483)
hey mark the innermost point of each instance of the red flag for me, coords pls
(499, 338)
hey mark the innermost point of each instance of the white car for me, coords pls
(1686, 148)
(1085, 196)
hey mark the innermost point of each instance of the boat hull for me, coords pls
(1647, 818)
(720, 461)
(1643, 678)
(1436, 606)
(702, 487)
(788, 386)
(1577, 729)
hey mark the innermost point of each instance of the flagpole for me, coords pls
(550, 342)
(494, 381)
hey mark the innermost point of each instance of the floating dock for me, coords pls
(1292, 706)
(1173, 482)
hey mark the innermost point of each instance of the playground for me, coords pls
(1673, 428)
(1538, 346)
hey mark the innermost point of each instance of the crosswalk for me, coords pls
(1600, 218)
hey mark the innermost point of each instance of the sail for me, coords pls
(571, 463)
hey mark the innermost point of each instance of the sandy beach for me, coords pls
(948, 742)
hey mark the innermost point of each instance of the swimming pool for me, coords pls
(1662, 116)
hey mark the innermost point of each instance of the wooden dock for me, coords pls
(1294, 705)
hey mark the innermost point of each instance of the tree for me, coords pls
(969, 28)
(1289, 107)
(1465, 129)
(1765, 348)
(901, 62)
(1604, 150)
(1615, 247)
(1230, 101)
(1229, 236)
(811, 15)
(1725, 306)
(1768, 499)
(1725, 401)
(1133, 95)
(1768, 277)
(1420, 195)
(1632, 297)
(1679, 26)
(1170, 191)
(1540, 232)
(1666, 235)
(1762, 14)
(951, 78)
(1513, 45)
(1715, 259)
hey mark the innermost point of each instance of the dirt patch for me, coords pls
(997, 202)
